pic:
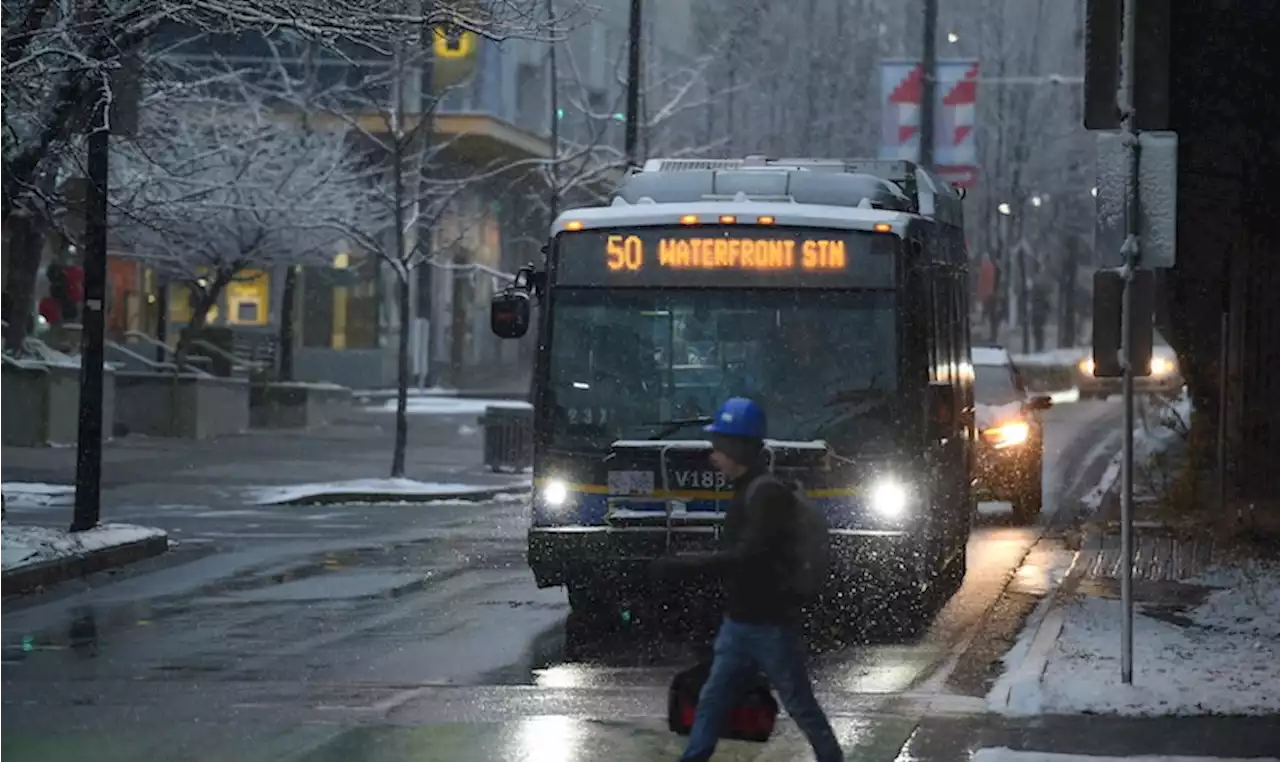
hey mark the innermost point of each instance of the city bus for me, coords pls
(832, 292)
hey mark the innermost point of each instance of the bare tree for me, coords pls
(590, 157)
(61, 59)
(210, 189)
(410, 183)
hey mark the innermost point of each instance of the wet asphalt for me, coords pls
(415, 632)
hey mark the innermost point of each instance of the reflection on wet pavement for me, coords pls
(547, 738)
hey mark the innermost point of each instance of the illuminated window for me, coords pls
(248, 298)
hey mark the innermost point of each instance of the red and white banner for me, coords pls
(954, 153)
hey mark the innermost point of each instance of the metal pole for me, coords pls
(88, 505)
(553, 202)
(928, 81)
(1223, 357)
(1132, 259)
(633, 86)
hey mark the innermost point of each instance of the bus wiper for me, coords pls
(854, 411)
(676, 424)
(871, 390)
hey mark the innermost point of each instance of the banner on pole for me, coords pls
(901, 87)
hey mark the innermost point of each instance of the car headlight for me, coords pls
(1010, 434)
(1161, 366)
(1086, 366)
(555, 493)
(889, 499)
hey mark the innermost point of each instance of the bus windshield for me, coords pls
(627, 364)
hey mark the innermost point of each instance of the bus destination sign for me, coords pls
(728, 255)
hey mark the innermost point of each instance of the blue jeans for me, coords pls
(741, 650)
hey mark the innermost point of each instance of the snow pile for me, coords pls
(1222, 657)
(1162, 430)
(37, 494)
(25, 546)
(440, 405)
(1004, 754)
(365, 489)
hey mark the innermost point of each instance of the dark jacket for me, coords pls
(757, 560)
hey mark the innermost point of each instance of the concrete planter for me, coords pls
(42, 403)
(181, 405)
(293, 405)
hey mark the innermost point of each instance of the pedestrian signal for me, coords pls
(453, 42)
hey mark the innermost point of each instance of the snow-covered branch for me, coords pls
(208, 190)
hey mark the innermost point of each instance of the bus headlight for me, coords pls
(888, 499)
(555, 493)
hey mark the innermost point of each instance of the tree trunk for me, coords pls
(402, 380)
(286, 323)
(26, 245)
(1070, 264)
(204, 301)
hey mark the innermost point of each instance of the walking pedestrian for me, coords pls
(759, 564)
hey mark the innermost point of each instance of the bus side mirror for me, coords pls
(942, 409)
(1040, 402)
(509, 314)
(510, 310)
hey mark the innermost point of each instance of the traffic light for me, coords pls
(453, 42)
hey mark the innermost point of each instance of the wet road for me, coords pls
(415, 632)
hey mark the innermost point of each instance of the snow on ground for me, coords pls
(1003, 754)
(408, 488)
(1068, 356)
(432, 405)
(27, 545)
(1162, 428)
(29, 494)
(1222, 657)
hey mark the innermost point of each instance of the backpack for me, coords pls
(813, 542)
(751, 717)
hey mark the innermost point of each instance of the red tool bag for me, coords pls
(751, 718)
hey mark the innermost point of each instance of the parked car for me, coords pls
(1009, 461)
(1164, 379)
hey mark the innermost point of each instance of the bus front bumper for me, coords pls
(606, 555)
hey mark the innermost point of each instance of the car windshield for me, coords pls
(994, 385)
(631, 364)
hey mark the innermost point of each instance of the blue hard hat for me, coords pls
(739, 417)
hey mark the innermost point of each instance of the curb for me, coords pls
(1030, 670)
(338, 498)
(31, 578)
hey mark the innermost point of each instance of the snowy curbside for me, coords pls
(471, 493)
(1017, 691)
(31, 577)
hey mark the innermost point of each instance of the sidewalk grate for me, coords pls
(1159, 556)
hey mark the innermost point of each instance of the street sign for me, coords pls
(453, 42)
(1157, 195)
(1103, 43)
(1108, 321)
(955, 155)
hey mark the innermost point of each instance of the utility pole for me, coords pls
(1132, 259)
(553, 202)
(928, 81)
(633, 85)
(88, 505)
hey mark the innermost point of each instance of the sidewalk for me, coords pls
(954, 739)
(147, 469)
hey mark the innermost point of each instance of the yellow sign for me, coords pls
(453, 42)
(816, 255)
